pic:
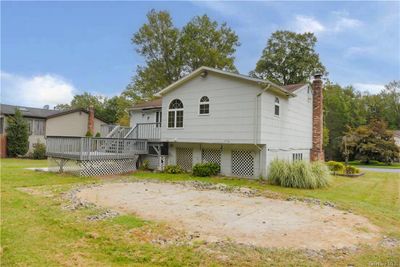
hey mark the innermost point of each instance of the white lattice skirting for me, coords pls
(92, 167)
(243, 163)
(184, 158)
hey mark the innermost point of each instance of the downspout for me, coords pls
(256, 126)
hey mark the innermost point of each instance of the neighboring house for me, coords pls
(397, 137)
(44, 122)
(239, 122)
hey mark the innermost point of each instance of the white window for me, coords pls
(204, 107)
(277, 106)
(297, 156)
(175, 114)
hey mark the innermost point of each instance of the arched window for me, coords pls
(204, 106)
(277, 105)
(175, 114)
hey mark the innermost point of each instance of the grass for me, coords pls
(36, 231)
(395, 165)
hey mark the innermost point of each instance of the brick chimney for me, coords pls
(91, 120)
(317, 151)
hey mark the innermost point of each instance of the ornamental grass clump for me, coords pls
(278, 171)
(298, 174)
(321, 174)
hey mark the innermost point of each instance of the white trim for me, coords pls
(204, 103)
(229, 74)
(175, 111)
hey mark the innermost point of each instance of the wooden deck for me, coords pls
(88, 148)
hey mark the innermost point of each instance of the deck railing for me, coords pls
(149, 131)
(106, 129)
(88, 148)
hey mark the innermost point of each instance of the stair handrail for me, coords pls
(131, 131)
(110, 134)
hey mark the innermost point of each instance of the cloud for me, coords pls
(355, 51)
(344, 23)
(340, 22)
(35, 91)
(307, 24)
(369, 87)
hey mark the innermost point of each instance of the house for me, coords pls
(43, 122)
(239, 122)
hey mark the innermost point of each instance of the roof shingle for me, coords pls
(28, 111)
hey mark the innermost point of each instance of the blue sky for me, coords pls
(53, 50)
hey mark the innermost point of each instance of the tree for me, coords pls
(116, 110)
(289, 58)
(17, 135)
(203, 43)
(391, 104)
(62, 107)
(371, 142)
(171, 53)
(111, 110)
(342, 108)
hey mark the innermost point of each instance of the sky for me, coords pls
(51, 51)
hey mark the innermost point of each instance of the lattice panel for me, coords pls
(211, 155)
(243, 163)
(63, 165)
(107, 167)
(184, 158)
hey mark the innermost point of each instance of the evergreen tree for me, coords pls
(17, 135)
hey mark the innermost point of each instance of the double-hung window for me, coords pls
(204, 108)
(277, 106)
(175, 114)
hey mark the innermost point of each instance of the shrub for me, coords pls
(351, 170)
(17, 135)
(298, 174)
(145, 165)
(39, 151)
(173, 169)
(335, 166)
(88, 134)
(98, 134)
(206, 169)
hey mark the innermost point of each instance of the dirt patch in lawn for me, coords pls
(216, 216)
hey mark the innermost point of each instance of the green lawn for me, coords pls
(36, 231)
(395, 165)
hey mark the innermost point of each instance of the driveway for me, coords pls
(214, 215)
(380, 170)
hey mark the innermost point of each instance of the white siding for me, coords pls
(292, 129)
(143, 116)
(232, 111)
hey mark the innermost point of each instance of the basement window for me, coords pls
(297, 156)
(277, 106)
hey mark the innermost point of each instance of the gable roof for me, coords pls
(155, 103)
(264, 83)
(28, 111)
(62, 113)
(294, 87)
